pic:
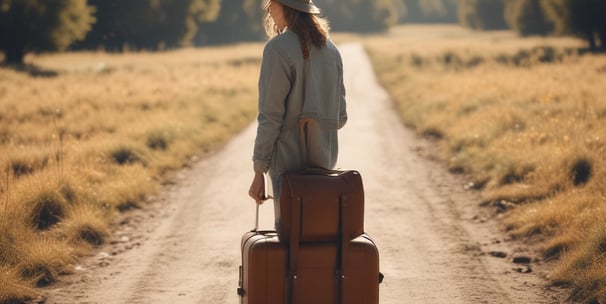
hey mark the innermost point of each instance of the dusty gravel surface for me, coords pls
(436, 244)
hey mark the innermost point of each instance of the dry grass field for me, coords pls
(526, 119)
(86, 135)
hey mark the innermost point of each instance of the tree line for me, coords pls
(118, 25)
(583, 18)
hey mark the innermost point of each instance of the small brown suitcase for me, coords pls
(264, 272)
(320, 193)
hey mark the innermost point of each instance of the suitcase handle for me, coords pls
(256, 218)
(267, 197)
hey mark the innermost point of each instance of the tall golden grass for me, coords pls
(86, 135)
(526, 118)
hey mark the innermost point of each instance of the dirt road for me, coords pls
(435, 243)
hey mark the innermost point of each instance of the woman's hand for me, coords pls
(257, 188)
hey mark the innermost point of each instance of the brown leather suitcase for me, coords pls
(263, 269)
(320, 193)
(265, 277)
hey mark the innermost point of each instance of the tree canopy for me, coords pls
(361, 15)
(482, 14)
(426, 11)
(586, 18)
(41, 25)
(528, 17)
(237, 21)
(116, 25)
(147, 24)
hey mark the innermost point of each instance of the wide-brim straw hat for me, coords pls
(306, 6)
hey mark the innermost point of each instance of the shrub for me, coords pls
(127, 153)
(14, 288)
(159, 139)
(42, 260)
(29, 161)
(47, 208)
(86, 224)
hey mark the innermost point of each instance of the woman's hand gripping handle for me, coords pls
(258, 189)
(258, 192)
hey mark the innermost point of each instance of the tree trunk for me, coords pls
(603, 40)
(14, 55)
(591, 39)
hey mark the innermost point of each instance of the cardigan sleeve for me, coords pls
(274, 85)
(342, 100)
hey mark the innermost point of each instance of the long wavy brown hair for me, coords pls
(310, 28)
